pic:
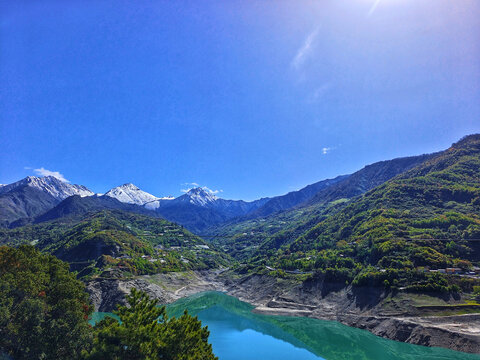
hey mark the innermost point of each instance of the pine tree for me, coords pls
(145, 332)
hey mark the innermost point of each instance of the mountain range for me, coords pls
(393, 224)
(33, 196)
(39, 199)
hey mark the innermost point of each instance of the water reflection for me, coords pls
(326, 339)
(237, 334)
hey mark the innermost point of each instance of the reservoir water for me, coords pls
(238, 334)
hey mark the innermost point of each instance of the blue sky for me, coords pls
(255, 98)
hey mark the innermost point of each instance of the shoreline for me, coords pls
(456, 332)
(408, 330)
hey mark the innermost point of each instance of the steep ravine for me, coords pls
(353, 307)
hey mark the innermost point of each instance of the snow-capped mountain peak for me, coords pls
(131, 194)
(201, 197)
(49, 184)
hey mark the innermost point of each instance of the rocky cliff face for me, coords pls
(106, 294)
(447, 332)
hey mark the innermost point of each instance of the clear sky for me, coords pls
(255, 98)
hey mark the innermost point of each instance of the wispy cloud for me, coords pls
(319, 92)
(191, 184)
(305, 50)
(211, 191)
(374, 7)
(44, 172)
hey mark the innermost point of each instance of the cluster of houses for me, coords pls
(152, 260)
(475, 271)
(161, 247)
(146, 257)
(296, 271)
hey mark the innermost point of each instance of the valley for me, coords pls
(393, 248)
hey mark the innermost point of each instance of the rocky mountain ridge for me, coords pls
(32, 196)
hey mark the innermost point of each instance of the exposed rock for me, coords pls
(107, 293)
(448, 332)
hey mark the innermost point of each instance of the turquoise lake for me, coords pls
(238, 334)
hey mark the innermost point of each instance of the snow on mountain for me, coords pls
(131, 194)
(49, 184)
(197, 196)
(167, 198)
(152, 205)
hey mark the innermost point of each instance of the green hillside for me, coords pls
(242, 238)
(119, 241)
(425, 219)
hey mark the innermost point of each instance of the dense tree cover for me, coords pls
(43, 308)
(44, 313)
(245, 238)
(134, 243)
(248, 238)
(424, 219)
(145, 332)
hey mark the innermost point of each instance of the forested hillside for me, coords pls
(423, 220)
(241, 238)
(120, 241)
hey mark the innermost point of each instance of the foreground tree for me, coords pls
(44, 313)
(44, 309)
(145, 332)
